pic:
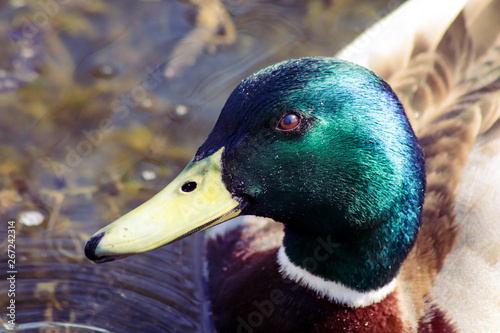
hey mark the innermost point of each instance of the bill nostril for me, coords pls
(188, 187)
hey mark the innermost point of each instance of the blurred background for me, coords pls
(102, 103)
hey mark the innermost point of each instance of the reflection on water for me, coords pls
(102, 103)
(158, 292)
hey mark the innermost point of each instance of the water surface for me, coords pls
(102, 103)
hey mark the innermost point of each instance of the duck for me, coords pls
(351, 193)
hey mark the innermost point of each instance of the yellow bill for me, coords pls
(195, 200)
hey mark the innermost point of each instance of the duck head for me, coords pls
(321, 145)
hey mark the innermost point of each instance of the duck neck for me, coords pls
(358, 272)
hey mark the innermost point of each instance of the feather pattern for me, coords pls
(447, 75)
(450, 88)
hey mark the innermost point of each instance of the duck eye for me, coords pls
(288, 122)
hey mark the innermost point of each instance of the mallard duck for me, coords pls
(388, 205)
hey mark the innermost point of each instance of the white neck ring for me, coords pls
(334, 291)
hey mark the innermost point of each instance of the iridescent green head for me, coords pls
(350, 170)
(325, 147)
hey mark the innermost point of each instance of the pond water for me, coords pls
(102, 103)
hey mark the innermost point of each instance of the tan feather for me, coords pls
(447, 75)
